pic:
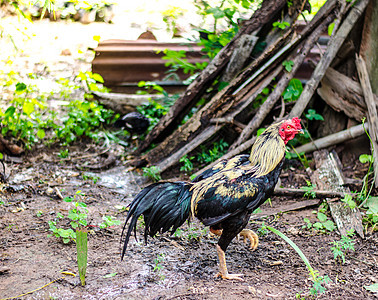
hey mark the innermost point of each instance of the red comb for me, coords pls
(297, 122)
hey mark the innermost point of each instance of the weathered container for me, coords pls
(124, 63)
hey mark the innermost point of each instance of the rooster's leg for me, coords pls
(253, 238)
(223, 268)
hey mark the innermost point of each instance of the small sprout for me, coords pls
(281, 25)
(340, 248)
(109, 221)
(152, 172)
(288, 64)
(312, 115)
(309, 190)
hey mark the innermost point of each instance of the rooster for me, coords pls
(222, 197)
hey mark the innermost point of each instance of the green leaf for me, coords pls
(28, 108)
(110, 275)
(318, 225)
(372, 204)
(329, 225)
(41, 134)
(330, 28)
(288, 64)
(97, 77)
(364, 158)
(20, 87)
(82, 253)
(9, 112)
(260, 131)
(295, 247)
(68, 199)
(312, 115)
(322, 217)
(217, 12)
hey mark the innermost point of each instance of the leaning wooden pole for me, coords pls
(267, 106)
(332, 139)
(372, 111)
(333, 47)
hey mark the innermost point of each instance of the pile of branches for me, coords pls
(229, 111)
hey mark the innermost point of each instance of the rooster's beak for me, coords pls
(301, 131)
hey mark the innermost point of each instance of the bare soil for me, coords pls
(30, 260)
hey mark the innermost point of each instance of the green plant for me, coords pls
(170, 16)
(187, 163)
(262, 230)
(365, 192)
(281, 25)
(191, 232)
(78, 231)
(341, 247)
(348, 200)
(317, 280)
(261, 98)
(152, 172)
(208, 156)
(82, 253)
(301, 156)
(78, 214)
(313, 115)
(324, 225)
(288, 64)
(154, 110)
(309, 190)
(93, 81)
(83, 118)
(63, 153)
(225, 25)
(109, 221)
(67, 235)
(90, 176)
(177, 60)
(158, 265)
(295, 88)
(364, 197)
(22, 119)
(370, 218)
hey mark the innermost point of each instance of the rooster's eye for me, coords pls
(288, 127)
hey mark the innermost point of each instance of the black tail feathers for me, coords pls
(165, 207)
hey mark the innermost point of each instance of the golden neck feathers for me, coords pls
(268, 150)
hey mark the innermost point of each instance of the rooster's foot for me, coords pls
(230, 276)
(253, 238)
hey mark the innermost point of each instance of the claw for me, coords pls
(230, 276)
(253, 238)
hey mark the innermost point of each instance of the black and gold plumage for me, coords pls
(222, 197)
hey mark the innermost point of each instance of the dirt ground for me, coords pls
(29, 259)
(169, 267)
